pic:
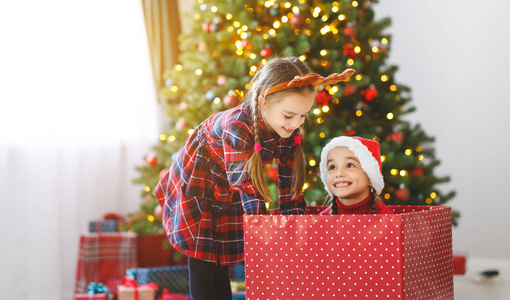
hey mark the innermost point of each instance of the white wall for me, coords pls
(454, 56)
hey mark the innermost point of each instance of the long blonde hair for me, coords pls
(275, 71)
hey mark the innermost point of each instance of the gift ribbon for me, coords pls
(96, 288)
(129, 281)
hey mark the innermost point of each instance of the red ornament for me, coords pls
(245, 44)
(349, 131)
(396, 137)
(265, 53)
(349, 50)
(417, 171)
(403, 194)
(230, 101)
(272, 172)
(322, 98)
(349, 89)
(163, 173)
(152, 159)
(158, 212)
(350, 31)
(206, 27)
(297, 21)
(181, 123)
(369, 94)
(222, 80)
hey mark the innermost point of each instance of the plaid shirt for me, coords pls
(205, 192)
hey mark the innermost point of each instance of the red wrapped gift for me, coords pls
(90, 297)
(459, 264)
(154, 250)
(403, 256)
(130, 290)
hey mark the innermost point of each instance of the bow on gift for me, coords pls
(97, 288)
(129, 281)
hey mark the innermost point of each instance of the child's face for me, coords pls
(288, 114)
(346, 179)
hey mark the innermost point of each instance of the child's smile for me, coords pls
(346, 178)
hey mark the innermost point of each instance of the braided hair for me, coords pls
(275, 71)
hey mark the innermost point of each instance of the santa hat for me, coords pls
(368, 153)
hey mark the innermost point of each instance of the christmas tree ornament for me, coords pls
(210, 95)
(396, 137)
(181, 124)
(369, 94)
(417, 170)
(230, 100)
(206, 27)
(266, 52)
(350, 31)
(349, 131)
(322, 98)
(297, 21)
(158, 212)
(349, 50)
(151, 159)
(245, 44)
(222, 80)
(214, 27)
(403, 194)
(349, 89)
(274, 11)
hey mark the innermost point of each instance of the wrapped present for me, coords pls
(237, 272)
(154, 250)
(91, 297)
(238, 295)
(104, 226)
(173, 278)
(407, 255)
(104, 257)
(96, 291)
(130, 290)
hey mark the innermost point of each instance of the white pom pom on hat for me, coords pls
(368, 153)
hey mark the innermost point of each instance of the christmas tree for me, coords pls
(229, 40)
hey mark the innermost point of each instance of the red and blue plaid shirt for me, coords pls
(205, 192)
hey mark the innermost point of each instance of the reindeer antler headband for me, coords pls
(311, 79)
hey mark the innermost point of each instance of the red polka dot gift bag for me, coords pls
(407, 255)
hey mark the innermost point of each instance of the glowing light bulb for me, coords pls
(341, 17)
(217, 100)
(394, 172)
(312, 162)
(384, 41)
(162, 137)
(383, 158)
(214, 9)
(403, 173)
(389, 116)
(325, 108)
(350, 62)
(174, 88)
(393, 88)
(357, 49)
(355, 4)
(276, 24)
(386, 196)
(359, 113)
(171, 138)
(324, 52)
(316, 111)
(228, 17)
(147, 188)
(190, 132)
(359, 77)
(322, 135)
(408, 152)
(150, 218)
(178, 67)
(384, 78)
(198, 72)
(305, 185)
(433, 195)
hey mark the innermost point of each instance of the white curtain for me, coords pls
(77, 112)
